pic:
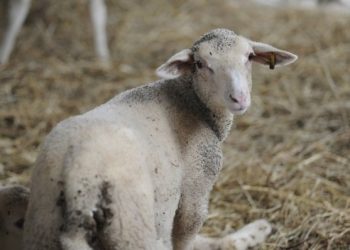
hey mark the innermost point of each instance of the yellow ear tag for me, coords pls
(272, 61)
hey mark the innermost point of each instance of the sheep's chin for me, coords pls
(238, 112)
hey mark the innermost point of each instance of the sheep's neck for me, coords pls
(220, 117)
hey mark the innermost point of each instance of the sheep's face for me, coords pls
(221, 63)
(224, 69)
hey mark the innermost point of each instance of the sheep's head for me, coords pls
(220, 63)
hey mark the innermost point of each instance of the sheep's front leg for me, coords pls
(98, 14)
(188, 220)
(18, 11)
(249, 236)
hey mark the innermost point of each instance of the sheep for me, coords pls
(327, 4)
(13, 205)
(137, 171)
(18, 11)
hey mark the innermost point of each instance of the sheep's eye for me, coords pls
(251, 56)
(199, 64)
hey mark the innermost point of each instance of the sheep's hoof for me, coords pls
(249, 236)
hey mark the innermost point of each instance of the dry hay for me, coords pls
(286, 160)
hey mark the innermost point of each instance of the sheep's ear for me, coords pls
(179, 64)
(269, 55)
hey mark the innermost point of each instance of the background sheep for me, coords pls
(286, 160)
(13, 205)
(330, 4)
(18, 11)
(136, 172)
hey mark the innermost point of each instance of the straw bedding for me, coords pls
(287, 159)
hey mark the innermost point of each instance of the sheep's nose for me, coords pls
(239, 99)
(234, 99)
(240, 102)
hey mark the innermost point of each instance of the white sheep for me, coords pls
(13, 205)
(18, 11)
(136, 172)
(327, 4)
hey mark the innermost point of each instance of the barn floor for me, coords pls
(287, 159)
